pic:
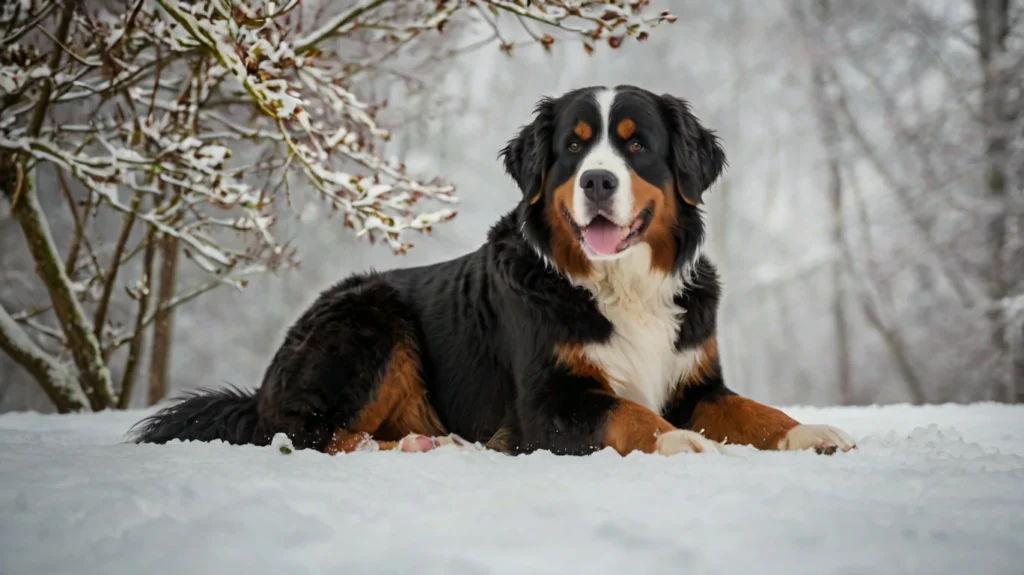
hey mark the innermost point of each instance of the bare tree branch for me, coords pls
(131, 366)
(85, 348)
(100, 319)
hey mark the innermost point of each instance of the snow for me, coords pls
(930, 490)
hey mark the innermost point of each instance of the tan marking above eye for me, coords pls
(626, 128)
(583, 130)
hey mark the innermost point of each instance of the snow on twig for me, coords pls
(178, 96)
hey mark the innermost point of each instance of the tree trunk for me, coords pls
(84, 347)
(998, 114)
(16, 186)
(163, 328)
(1018, 363)
(840, 321)
(131, 364)
(829, 129)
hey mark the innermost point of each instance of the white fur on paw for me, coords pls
(821, 438)
(417, 443)
(457, 441)
(684, 441)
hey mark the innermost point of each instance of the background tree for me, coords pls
(200, 119)
(877, 106)
(927, 107)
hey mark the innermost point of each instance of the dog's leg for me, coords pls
(576, 415)
(349, 367)
(632, 427)
(345, 441)
(705, 405)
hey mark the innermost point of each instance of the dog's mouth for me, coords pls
(604, 237)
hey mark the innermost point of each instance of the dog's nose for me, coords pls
(598, 185)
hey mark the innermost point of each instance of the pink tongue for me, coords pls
(602, 236)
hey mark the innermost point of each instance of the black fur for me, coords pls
(526, 156)
(228, 414)
(301, 391)
(680, 409)
(485, 324)
(700, 300)
(700, 159)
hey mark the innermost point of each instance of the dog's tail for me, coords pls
(227, 414)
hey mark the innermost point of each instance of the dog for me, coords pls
(587, 319)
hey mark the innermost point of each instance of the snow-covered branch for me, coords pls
(182, 97)
(58, 380)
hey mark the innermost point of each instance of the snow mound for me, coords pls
(930, 490)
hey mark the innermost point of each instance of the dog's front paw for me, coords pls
(417, 443)
(822, 438)
(684, 441)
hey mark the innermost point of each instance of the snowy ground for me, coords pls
(930, 490)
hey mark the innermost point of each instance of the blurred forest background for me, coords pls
(869, 229)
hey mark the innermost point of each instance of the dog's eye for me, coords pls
(574, 146)
(635, 147)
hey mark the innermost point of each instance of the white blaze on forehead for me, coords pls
(603, 156)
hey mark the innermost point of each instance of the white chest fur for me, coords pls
(640, 359)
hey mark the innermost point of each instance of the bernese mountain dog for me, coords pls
(587, 319)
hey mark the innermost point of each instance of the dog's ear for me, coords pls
(697, 156)
(527, 155)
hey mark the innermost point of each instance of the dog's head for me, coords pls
(607, 171)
